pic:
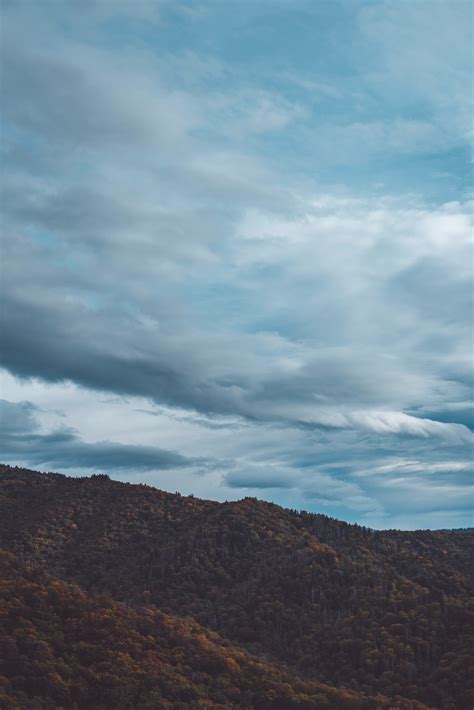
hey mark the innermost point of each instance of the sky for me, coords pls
(237, 250)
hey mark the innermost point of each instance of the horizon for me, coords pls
(103, 474)
(238, 251)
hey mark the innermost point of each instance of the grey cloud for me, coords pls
(17, 417)
(109, 112)
(153, 250)
(133, 361)
(311, 486)
(358, 473)
(71, 346)
(70, 100)
(431, 286)
(21, 441)
(110, 349)
(265, 478)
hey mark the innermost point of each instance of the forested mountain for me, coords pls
(124, 596)
(66, 648)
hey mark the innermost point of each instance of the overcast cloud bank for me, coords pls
(256, 254)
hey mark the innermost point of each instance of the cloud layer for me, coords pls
(225, 242)
(22, 440)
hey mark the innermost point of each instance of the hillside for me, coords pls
(66, 648)
(296, 600)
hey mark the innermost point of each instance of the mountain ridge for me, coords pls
(376, 613)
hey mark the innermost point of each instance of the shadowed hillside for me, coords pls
(66, 648)
(372, 613)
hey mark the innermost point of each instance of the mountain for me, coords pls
(66, 648)
(125, 596)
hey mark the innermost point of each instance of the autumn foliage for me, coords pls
(123, 596)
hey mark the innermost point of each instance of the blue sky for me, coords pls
(238, 250)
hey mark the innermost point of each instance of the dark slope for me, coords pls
(377, 612)
(64, 648)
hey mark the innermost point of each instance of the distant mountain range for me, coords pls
(119, 596)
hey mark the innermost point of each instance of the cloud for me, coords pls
(347, 367)
(335, 471)
(222, 241)
(313, 486)
(260, 478)
(21, 441)
(400, 423)
(403, 466)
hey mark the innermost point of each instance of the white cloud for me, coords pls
(402, 466)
